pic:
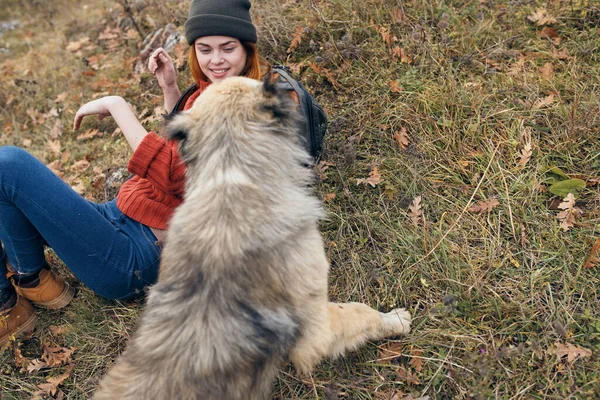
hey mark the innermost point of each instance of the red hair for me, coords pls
(256, 66)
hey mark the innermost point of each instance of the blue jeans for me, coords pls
(113, 255)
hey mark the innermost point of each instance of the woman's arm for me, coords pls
(118, 108)
(161, 65)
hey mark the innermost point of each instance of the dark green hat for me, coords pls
(220, 18)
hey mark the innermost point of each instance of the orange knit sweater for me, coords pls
(157, 188)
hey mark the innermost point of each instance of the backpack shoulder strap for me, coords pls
(183, 99)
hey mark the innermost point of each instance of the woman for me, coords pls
(113, 248)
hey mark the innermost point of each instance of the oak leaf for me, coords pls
(484, 206)
(547, 70)
(395, 86)
(593, 259)
(389, 352)
(570, 213)
(525, 155)
(572, 351)
(416, 360)
(54, 146)
(415, 211)
(36, 365)
(550, 33)
(541, 17)
(401, 54)
(543, 102)
(57, 129)
(402, 138)
(374, 178)
(57, 330)
(89, 134)
(329, 197)
(322, 168)
(52, 383)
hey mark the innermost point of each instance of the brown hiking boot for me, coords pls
(17, 319)
(51, 291)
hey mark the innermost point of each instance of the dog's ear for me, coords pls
(176, 128)
(269, 86)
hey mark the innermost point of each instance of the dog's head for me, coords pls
(238, 115)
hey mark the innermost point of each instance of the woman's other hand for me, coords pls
(161, 65)
(100, 107)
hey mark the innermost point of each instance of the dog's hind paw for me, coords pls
(398, 321)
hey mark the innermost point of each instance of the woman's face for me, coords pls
(220, 57)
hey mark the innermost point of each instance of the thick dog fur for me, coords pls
(243, 275)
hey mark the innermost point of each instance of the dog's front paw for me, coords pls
(398, 321)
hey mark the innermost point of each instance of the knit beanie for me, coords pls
(220, 18)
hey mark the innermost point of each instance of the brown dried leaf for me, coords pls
(569, 215)
(402, 138)
(395, 86)
(55, 355)
(324, 71)
(374, 178)
(547, 71)
(572, 351)
(594, 258)
(525, 155)
(416, 361)
(543, 102)
(296, 39)
(36, 365)
(54, 146)
(89, 134)
(21, 361)
(398, 16)
(322, 167)
(415, 211)
(407, 376)
(401, 54)
(550, 33)
(80, 165)
(541, 17)
(26, 142)
(57, 330)
(57, 129)
(389, 351)
(484, 206)
(329, 197)
(78, 44)
(52, 383)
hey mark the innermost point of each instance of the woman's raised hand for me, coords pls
(161, 65)
(100, 107)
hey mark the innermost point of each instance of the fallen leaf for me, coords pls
(543, 102)
(57, 330)
(329, 197)
(572, 351)
(407, 376)
(78, 44)
(525, 155)
(547, 71)
(550, 33)
(402, 138)
(296, 39)
(415, 211)
(416, 361)
(89, 134)
(36, 365)
(395, 86)
(541, 17)
(80, 165)
(398, 16)
(389, 352)
(484, 206)
(54, 146)
(402, 56)
(324, 71)
(322, 167)
(56, 355)
(52, 383)
(21, 361)
(374, 178)
(57, 129)
(593, 259)
(568, 216)
(26, 142)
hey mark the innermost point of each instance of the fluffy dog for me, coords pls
(243, 275)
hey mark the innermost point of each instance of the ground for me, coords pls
(457, 130)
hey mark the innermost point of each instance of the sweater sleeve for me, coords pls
(157, 159)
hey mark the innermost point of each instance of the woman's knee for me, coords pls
(12, 157)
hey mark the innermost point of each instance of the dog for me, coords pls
(243, 276)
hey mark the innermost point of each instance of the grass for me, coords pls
(491, 293)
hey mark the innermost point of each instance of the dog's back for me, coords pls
(224, 313)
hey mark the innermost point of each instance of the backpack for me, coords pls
(314, 121)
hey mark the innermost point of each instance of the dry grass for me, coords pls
(491, 293)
